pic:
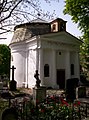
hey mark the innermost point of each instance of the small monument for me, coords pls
(81, 92)
(1, 84)
(13, 82)
(38, 81)
(39, 92)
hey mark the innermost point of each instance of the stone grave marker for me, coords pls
(13, 83)
(1, 86)
(39, 92)
(80, 92)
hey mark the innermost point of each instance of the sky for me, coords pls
(71, 27)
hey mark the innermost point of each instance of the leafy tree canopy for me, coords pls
(79, 10)
(4, 60)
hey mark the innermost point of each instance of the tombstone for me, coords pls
(1, 86)
(71, 89)
(39, 95)
(39, 92)
(80, 92)
(13, 83)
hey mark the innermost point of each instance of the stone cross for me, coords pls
(13, 68)
(13, 83)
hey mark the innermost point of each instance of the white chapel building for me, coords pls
(48, 48)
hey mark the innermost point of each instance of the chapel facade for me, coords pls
(48, 48)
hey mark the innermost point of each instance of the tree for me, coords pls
(4, 60)
(13, 12)
(79, 11)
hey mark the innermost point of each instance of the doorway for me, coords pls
(61, 78)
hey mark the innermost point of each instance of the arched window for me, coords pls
(46, 70)
(54, 27)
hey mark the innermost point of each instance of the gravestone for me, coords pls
(13, 83)
(39, 92)
(80, 92)
(39, 95)
(71, 89)
(1, 86)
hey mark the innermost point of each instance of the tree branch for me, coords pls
(11, 11)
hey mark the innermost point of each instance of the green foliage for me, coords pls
(4, 60)
(79, 10)
(84, 55)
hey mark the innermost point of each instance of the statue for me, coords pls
(38, 81)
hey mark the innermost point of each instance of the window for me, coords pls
(72, 69)
(54, 27)
(46, 70)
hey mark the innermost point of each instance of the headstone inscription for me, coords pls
(13, 82)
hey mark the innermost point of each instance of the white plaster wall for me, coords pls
(19, 63)
(31, 68)
(48, 60)
(60, 62)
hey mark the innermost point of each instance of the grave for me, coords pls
(71, 89)
(39, 92)
(13, 83)
(1, 86)
(80, 92)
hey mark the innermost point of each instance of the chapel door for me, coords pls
(61, 78)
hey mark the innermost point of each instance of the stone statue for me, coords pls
(38, 81)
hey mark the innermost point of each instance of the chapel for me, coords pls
(48, 48)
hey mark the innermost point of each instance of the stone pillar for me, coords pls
(41, 66)
(27, 69)
(37, 53)
(39, 95)
(67, 65)
(54, 69)
(24, 69)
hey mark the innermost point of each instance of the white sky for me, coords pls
(58, 7)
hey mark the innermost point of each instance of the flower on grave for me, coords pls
(64, 102)
(56, 110)
(77, 103)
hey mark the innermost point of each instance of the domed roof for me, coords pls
(25, 31)
(38, 20)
